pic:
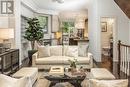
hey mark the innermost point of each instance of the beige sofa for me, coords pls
(48, 56)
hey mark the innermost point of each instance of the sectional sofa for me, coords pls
(48, 56)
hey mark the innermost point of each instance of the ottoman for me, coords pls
(101, 74)
(30, 72)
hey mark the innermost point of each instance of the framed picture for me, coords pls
(104, 26)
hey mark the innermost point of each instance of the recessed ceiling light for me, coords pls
(59, 1)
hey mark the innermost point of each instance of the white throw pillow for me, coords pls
(56, 50)
(109, 83)
(6, 81)
(65, 47)
(83, 50)
(43, 51)
(72, 51)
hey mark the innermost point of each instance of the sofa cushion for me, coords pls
(50, 60)
(72, 51)
(61, 60)
(30, 72)
(56, 50)
(6, 81)
(101, 73)
(83, 60)
(65, 47)
(43, 51)
(108, 83)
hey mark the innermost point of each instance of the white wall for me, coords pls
(17, 12)
(106, 8)
(26, 11)
(110, 8)
(30, 4)
(92, 29)
(105, 36)
(20, 9)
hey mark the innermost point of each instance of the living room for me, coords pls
(68, 41)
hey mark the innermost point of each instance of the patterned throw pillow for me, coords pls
(72, 51)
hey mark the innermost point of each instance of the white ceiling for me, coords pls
(67, 5)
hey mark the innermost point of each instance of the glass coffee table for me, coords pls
(75, 80)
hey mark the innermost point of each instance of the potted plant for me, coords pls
(73, 63)
(33, 33)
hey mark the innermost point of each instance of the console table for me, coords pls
(9, 61)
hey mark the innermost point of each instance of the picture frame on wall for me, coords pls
(104, 26)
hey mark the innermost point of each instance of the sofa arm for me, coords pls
(90, 55)
(34, 57)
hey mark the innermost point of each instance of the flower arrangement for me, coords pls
(73, 62)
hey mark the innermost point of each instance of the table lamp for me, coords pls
(7, 35)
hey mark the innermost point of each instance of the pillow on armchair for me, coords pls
(6, 81)
(108, 83)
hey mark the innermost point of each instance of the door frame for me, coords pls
(115, 36)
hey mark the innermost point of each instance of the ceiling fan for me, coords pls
(58, 1)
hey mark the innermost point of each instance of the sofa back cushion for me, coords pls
(56, 50)
(43, 51)
(83, 49)
(72, 51)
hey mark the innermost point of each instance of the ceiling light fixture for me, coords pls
(59, 1)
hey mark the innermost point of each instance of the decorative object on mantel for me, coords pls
(80, 26)
(104, 26)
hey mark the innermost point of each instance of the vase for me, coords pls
(73, 69)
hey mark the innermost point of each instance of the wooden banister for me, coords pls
(119, 57)
(123, 58)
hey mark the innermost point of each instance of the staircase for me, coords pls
(125, 6)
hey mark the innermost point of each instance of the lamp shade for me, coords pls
(6, 33)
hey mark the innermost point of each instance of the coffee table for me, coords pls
(73, 79)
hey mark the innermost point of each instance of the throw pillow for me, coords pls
(72, 51)
(65, 47)
(83, 50)
(56, 50)
(43, 51)
(109, 83)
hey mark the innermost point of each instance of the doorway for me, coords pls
(108, 39)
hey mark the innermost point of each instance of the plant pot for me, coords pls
(73, 69)
(30, 53)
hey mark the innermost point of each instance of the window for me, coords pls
(43, 23)
(68, 27)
